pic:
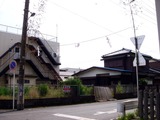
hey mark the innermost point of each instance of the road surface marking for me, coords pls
(107, 112)
(72, 117)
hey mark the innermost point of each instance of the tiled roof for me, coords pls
(104, 68)
(114, 69)
(122, 51)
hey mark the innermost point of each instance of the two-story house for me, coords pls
(41, 59)
(118, 66)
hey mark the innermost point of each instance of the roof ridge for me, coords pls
(129, 50)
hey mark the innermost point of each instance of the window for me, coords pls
(17, 50)
(10, 50)
(25, 81)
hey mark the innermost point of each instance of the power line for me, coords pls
(97, 37)
(142, 17)
(151, 1)
(151, 18)
(74, 13)
(148, 5)
(149, 11)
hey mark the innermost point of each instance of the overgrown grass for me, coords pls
(83, 90)
(119, 88)
(43, 89)
(33, 92)
(4, 91)
(130, 116)
(55, 93)
(46, 91)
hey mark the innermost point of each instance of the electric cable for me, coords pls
(97, 37)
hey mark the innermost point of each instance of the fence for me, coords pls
(124, 91)
(149, 103)
(102, 93)
(108, 93)
(49, 91)
(37, 96)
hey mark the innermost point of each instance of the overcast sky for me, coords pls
(88, 29)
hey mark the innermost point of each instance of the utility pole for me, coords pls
(136, 48)
(157, 3)
(20, 100)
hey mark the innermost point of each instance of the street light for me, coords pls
(32, 14)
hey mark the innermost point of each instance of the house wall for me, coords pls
(119, 61)
(2, 81)
(95, 72)
(123, 62)
(154, 64)
(7, 40)
(114, 63)
(28, 81)
(53, 47)
(128, 62)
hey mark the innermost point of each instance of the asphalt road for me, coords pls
(92, 111)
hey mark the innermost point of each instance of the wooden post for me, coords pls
(145, 105)
(158, 106)
(140, 104)
(152, 105)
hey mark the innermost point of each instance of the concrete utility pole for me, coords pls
(20, 100)
(157, 3)
(136, 48)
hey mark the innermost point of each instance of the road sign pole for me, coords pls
(13, 89)
(12, 67)
(137, 61)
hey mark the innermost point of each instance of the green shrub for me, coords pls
(72, 81)
(4, 91)
(84, 90)
(43, 89)
(26, 90)
(55, 93)
(142, 81)
(119, 88)
(122, 118)
(32, 93)
(130, 116)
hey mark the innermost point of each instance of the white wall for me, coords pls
(7, 40)
(94, 72)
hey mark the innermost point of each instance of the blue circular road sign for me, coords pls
(13, 65)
